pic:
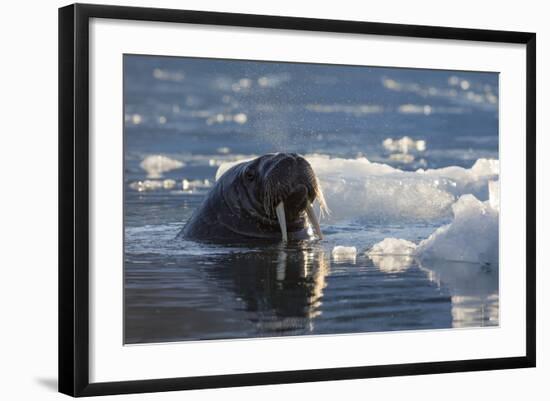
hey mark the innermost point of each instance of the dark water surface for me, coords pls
(203, 113)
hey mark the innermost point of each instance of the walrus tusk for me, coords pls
(280, 210)
(314, 221)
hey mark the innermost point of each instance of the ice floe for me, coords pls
(187, 186)
(273, 80)
(358, 188)
(190, 185)
(152, 185)
(467, 181)
(135, 118)
(156, 165)
(392, 255)
(239, 118)
(404, 145)
(404, 150)
(471, 237)
(393, 246)
(459, 90)
(344, 253)
(167, 75)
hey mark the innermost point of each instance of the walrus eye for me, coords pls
(250, 174)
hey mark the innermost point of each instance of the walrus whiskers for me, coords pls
(268, 199)
(323, 210)
(314, 221)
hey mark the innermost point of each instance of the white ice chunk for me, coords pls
(273, 80)
(485, 167)
(425, 109)
(152, 185)
(156, 165)
(357, 188)
(240, 118)
(393, 246)
(462, 181)
(168, 183)
(392, 255)
(344, 253)
(224, 150)
(190, 185)
(471, 237)
(402, 149)
(494, 194)
(167, 75)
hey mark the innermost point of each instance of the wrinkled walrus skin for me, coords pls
(241, 205)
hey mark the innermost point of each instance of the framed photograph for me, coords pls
(249, 199)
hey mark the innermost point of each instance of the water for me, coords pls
(204, 113)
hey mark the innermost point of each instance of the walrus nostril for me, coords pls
(297, 200)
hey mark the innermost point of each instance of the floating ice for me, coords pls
(188, 185)
(273, 80)
(239, 118)
(135, 118)
(245, 82)
(156, 165)
(472, 236)
(357, 188)
(166, 75)
(393, 246)
(392, 255)
(391, 84)
(403, 149)
(404, 145)
(152, 185)
(344, 253)
(415, 109)
(465, 85)
(453, 80)
(224, 150)
(463, 181)
(494, 194)
(461, 91)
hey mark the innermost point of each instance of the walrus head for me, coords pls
(280, 190)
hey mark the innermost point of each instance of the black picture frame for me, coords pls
(74, 198)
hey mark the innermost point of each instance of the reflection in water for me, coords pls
(473, 289)
(283, 287)
(392, 263)
(271, 290)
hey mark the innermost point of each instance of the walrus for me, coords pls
(268, 198)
